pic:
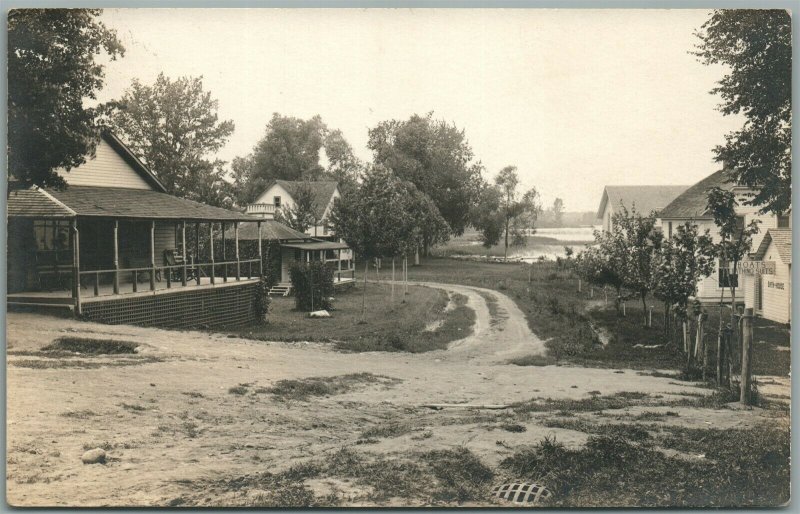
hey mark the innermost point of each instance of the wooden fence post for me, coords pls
(747, 357)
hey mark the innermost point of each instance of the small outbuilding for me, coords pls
(770, 293)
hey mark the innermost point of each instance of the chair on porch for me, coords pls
(172, 257)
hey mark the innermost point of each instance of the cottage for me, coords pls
(645, 199)
(769, 292)
(280, 194)
(692, 205)
(113, 247)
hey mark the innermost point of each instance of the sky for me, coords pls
(576, 99)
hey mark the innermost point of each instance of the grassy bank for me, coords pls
(416, 322)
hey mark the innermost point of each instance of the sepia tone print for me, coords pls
(280, 258)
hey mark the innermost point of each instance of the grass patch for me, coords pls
(386, 430)
(239, 390)
(741, 468)
(594, 403)
(87, 346)
(534, 360)
(306, 388)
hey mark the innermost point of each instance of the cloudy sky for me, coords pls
(575, 98)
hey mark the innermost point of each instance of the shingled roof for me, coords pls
(782, 239)
(270, 230)
(120, 202)
(322, 190)
(693, 203)
(36, 203)
(645, 199)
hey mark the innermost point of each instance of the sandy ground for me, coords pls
(170, 423)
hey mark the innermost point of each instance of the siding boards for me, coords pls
(106, 169)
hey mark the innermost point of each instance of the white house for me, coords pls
(770, 295)
(692, 205)
(645, 199)
(280, 195)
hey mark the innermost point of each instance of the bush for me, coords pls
(262, 299)
(313, 285)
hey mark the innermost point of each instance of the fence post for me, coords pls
(76, 267)
(211, 248)
(116, 256)
(650, 316)
(153, 255)
(183, 253)
(747, 356)
(579, 285)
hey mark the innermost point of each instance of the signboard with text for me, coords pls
(756, 267)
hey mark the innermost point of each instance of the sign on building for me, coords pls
(756, 267)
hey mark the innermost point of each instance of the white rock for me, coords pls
(95, 456)
(319, 314)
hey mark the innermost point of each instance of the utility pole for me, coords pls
(747, 357)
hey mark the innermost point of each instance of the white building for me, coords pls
(770, 295)
(692, 205)
(645, 199)
(280, 195)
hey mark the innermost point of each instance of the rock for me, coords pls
(95, 456)
(319, 314)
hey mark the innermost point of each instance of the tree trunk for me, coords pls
(364, 293)
(644, 307)
(505, 257)
(392, 280)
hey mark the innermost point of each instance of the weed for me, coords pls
(533, 360)
(513, 427)
(238, 390)
(386, 430)
(90, 346)
(303, 389)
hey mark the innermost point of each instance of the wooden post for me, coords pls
(153, 255)
(197, 252)
(211, 248)
(260, 258)
(183, 252)
(623, 310)
(650, 316)
(747, 356)
(392, 280)
(579, 285)
(116, 256)
(339, 264)
(236, 247)
(687, 345)
(224, 255)
(76, 267)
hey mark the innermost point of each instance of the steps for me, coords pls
(280, 290)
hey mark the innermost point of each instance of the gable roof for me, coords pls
(782, 239)
(270, 230)
(321, 189)
(133, 161)
(693, 203)
(645, 198)
(111, 202)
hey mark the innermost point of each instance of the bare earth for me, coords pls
(170, 423)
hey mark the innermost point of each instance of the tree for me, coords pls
(51, 73)
(435, 157)
(291, 149)
(486, 217)
(640, 241)
(174, 128)
(303, 214)
(756, 45)
(518, 213)
(683, 260)
(558, 211)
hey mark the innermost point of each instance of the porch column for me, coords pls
(76, 266)
(183, 252)
(211, 247)
(197, 252)
(236, 246)
(224, 256)
(116, 256)
(260, 258)
(339, 264)
(153, 255)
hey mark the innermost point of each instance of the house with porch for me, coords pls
(645, 199)
(114, 247)
(280, 194)
(692, 206)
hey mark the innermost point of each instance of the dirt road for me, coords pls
(171, 423)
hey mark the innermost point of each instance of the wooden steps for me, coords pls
(280, 290)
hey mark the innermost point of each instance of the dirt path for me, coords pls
(171, 424)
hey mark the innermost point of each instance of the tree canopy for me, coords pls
(756, 45)
(174, 128)
(51, 72)
(436, 157)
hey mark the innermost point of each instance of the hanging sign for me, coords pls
(756, 267)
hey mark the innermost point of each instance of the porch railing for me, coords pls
(179, 275)
(344, 275)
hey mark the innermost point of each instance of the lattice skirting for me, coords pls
(208, 307)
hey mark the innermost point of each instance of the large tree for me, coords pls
(436, 157)
(174, 128)
(51, 73)
(756, 46)
(519, 212)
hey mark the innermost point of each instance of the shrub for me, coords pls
(313, 285)
(262, 300)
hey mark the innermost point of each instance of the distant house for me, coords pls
(112, 247)
(319, 243)
(280, 195)
(692, 205)
(645, 199)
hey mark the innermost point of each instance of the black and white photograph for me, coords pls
(410, 257)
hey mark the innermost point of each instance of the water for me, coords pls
(576, 237)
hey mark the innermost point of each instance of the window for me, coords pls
(783, 221)
(726, 275)
(277, 201)
(51, 235)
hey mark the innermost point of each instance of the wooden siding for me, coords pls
(777, 289)
(106, 169)
(276, 190)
